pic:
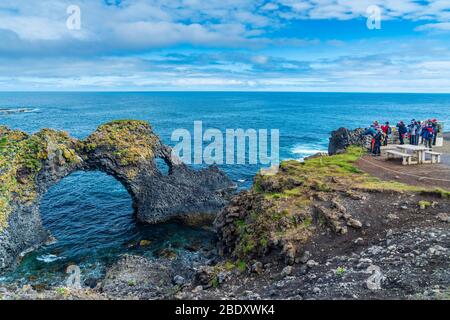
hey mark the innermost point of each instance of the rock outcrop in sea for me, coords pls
(342, 138)
(127, 150)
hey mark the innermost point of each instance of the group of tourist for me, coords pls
(417, 132)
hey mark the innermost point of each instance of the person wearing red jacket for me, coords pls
(386, 128)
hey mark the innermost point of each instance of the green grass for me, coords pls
(307, 222)
(229, 266)
(424, 204)
(264, 242)
(340, 271)
(3, 143)
(62, 291)
(241, 265)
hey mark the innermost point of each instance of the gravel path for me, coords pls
(425, 175)
(436, 175)
(446, 159)
(445, 149)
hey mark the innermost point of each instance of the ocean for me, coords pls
(90, 214)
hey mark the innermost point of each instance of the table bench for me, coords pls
(418, 152)
(407, 158)
(435, 156)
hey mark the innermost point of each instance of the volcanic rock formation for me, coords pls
(342, 138)
(126, 149)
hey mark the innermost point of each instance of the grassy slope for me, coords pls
(284, 216)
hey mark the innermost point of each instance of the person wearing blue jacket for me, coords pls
(428, 135)
(378, 140)
(371, 131)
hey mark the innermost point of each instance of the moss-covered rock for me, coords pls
(125, 149)
(22, 157)
(129, 141)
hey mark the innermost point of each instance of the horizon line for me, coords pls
(219, 91)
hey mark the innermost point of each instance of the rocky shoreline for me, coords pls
(405, 257)
(321, 229)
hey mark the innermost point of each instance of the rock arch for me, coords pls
(125, 149)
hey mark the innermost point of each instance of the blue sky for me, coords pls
(238, 45)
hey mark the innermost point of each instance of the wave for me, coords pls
(300, 150)
(18, 110)
(304, 151)
(48, 258)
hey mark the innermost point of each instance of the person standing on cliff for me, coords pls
(378, 140)
(423, 129)
(402, 130)
(412, 128)
(435, 130)
(386, 128)
(371, 132)
(418, 132)
(428, 135)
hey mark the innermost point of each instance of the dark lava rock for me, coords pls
(138, 277)
(342, 138)
(127, 150)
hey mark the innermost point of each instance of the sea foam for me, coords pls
(18, 110)
(48, 258)
(305, 150)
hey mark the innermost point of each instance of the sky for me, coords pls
(225, 45)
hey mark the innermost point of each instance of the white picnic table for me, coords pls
(419, 151)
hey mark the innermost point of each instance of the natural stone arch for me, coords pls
(126, 149)
(86, 209)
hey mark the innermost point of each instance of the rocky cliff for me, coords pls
(127, 150)
(283, 213)
(342, 138)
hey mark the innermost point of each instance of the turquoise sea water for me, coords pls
(90, 213)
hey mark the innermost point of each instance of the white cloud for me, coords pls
(442, 26)
(260, 59)
(416, 67)
(351, 9)
(32, 28)
(45, 20)
(163, 33)
(113, 47)
(270, 6)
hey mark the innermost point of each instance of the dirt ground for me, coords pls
(445, 150)
(424, 175)
(396, 236)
